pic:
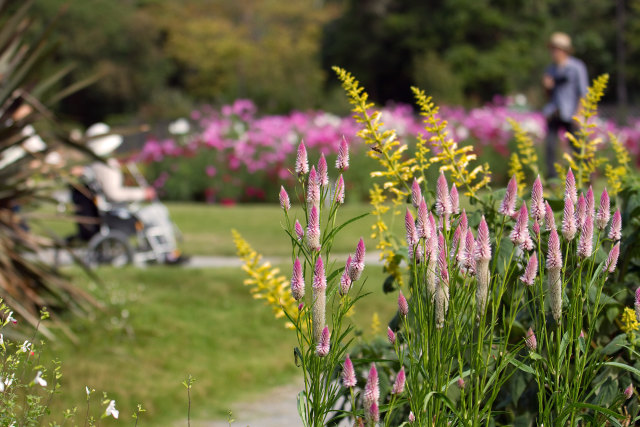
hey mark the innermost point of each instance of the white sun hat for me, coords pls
(102, 145)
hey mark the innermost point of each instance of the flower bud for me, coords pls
(391, 336)
(403, 306)
(508, 205)
(530, 340)
(324, 345)
(398, 385)
(615, 232)
(570, 191)
(302, 164)
(416, 193)
(604, 213)
(297, 281)
(455, 200)
(342, 162)
(284, 199)
(348, 373)
(531, 271)
(323, 174)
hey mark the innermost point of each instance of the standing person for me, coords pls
(110, 178)
(565, 81)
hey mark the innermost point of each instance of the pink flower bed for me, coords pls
(237, 141)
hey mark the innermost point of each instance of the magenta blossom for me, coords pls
(531, 270)
(591, 203)
(549, 220)
(339, 190)
(520, 233)
(424, 229)
(443, 200)
(537, 201)
(313, 229)
(612, 259)
(398, 384)
(615, 231)
(569, 225)
(297, 281)
(357, 264)
(604, 213)
(416, 193)
(342, 162)
(348, 373)
(581, 211)
(299, 230)
(508, 205)
(302, 164)
(313, 188)
(324, 345)
(345, 280)
(403, 306)
(284, 199)
(455, 200)
(371, 388)
(410, 226)
(323, 173)
(585, 244)
(391, 336)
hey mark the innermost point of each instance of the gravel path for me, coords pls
(276, 408)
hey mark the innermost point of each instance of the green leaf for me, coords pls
(616, 344)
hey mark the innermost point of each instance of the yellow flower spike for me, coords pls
(628, 320)
(375, 323)
(265, 282)
(524, 147)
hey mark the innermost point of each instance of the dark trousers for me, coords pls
(554, 125)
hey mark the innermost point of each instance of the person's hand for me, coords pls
(547, 82)
(149, 193)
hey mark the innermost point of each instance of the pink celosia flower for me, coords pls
(554, 267)
(302, 164)
(339, 190)
(391, 336)
(455, 241)
(313, 188)
(410, 227)
(297, 281)
(342, 162)
(549, 220)
(323, 173)
(345, 280)
(581, 211)
(371, 388)
(536, 228)
(628, 392)
(615, 231)
(398, 384)
(299, 230)
(604, 213)
(612, 259)
(423, 228)
(537, 201)
(570, 191)
(403, 306)
(469, 263)
(373, 414)
(300, 306)
(348, 373)
(319, 299)
(442, 291)
(284, 199)
(530, 340)
(357, 264)
(637, 304)
(443, 201)
(483, 242)
(569, 226)
(412, 418)
(520, 233)
(416, 193)
(482, 257)
(508, 205)
(461, 383)
(531, 270)
(464, 222)
(590, 202)
(324, 345)
(313, 229)
(554, 255)
(443, 270)
(432, 243)
(585, 244)
(455, 200)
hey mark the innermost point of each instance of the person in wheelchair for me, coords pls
(108, 179)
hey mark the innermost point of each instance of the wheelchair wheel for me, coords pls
(109, 249)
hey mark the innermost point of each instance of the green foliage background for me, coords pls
(160, 57)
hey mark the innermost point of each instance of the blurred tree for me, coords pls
(463, 50)
(121, 41)
(266, 50)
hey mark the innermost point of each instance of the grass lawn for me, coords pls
(207, 228)
(164, 323)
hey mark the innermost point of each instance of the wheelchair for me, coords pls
(111, 234)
